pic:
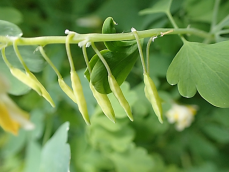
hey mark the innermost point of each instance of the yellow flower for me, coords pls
(11, 116)
(181, 115)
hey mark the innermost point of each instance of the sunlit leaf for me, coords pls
(55, 155)
(203, 68)
(9, 29)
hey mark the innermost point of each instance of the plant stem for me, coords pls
(48, 129)
(101, 37)
(147, 53)
(101, 58)
(139, 49)
(49, 62)
(67, 43)
(86, 58)
(5, 59)
(19, 56)
(174, 25)
(215, 14)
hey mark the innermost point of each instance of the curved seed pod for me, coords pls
(80, 99)
(44, 92)
(119, 95)
(21, 76)
(67, 89)
(104, 103)
(153, 97)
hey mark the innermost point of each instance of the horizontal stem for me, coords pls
(97, 37)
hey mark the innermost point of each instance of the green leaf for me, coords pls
(32, 58)
(117, 46)
(9, 29)
(203, 68)
(118, 140)
(33, 154)
(162, 6)
(16, 87)
(10, 14)
(14, 144)
(201, 11)
(120, 65)
(134, 160)
(120, 56)
(55, 156)
(200, 146)
(217, 132)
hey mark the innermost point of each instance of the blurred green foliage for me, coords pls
(143, 145)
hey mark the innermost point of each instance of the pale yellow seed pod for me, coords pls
(21, 76)
(67, 89)
(119, 95)
(44, 92)
(153, 97)
(80, 99)
(104, 103)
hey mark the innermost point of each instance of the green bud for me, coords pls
(119, 95)
(153, 97)
(104, 103)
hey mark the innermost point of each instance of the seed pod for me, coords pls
(44, 92)
(104, 103)
(80, 99)
(119, 95)
(21, 76)
(153, 97)
(67, 89)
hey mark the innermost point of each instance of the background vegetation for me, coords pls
(143, 145)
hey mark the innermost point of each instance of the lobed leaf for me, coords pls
(203, 68)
